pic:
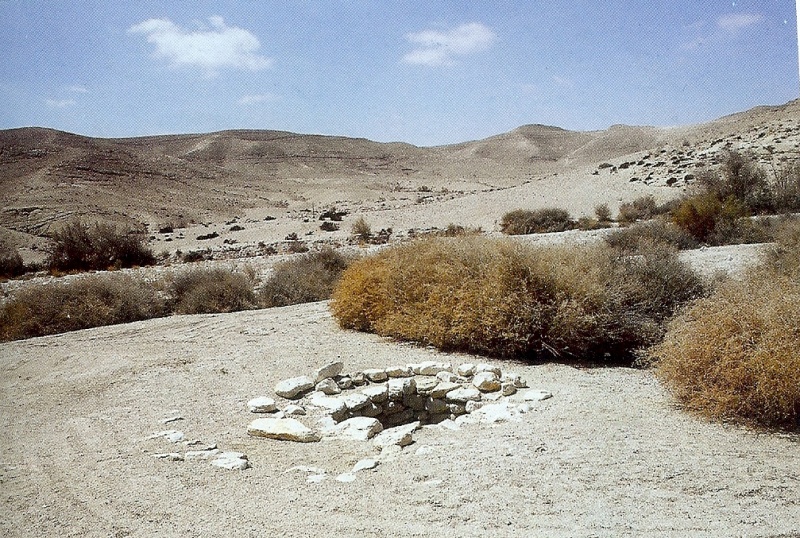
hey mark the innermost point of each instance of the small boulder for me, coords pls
(344, 382)
(283, 429)
(467, 369)
(463, 395)
(202, 455)
(399, 371)
(508, 389)
(424, 385)
(292, 410)
(235, 461)
(356, 428)
(486, 381)
(262, 404)
(365, 465)
(329, 370)
(483, 367)
(294, 387)
(376, 375)
(398, 436)
(376, 393)
(442, 388)
(431, 367)
(328, 386)
(355, 401)
(401, 387)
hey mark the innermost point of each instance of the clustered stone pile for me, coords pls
(360, 405)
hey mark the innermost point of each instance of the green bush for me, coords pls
(308, 278)
(206, 291)
(90, 301)
(505, 299)
(81, 247)
(523, 221)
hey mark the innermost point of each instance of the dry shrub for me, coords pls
(505, 299)
(91, 301)
(784, 258)
(206, 291)
(81, 247)
(736, 355)
(361, 230)
(657, 231)
(642, 208)
(308, 278)
(523, 221)
(603, 213)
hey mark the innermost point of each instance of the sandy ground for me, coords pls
(608, 455)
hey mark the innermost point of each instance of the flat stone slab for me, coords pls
(262, 404)
(282, 429)
(332, 369)
(294, 387)
(356, 428)
(397, 436)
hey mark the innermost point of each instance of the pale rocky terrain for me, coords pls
(85, 415)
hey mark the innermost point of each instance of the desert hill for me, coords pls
(48, 176)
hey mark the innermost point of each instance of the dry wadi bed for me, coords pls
(608, 455)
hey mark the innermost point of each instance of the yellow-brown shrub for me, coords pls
(507, 299)
(736, 355)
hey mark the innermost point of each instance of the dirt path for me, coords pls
(608, 455)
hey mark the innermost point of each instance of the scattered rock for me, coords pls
(486, 381)
(329, 370)
(400, 436)
(356, 428)
(232, 460)
(262, 404)
(483, 367)
(284, 429)
(173, 436)
(536, 395)
(202, 455)
(344, 382)
(346, 477)
(508, 389)
(376, 375)
(399, 371)
(294, 387)
(328, 386)
(355, 401)
(401, 387)
(377, 393)
(442, 388)
(365, 465)
(424, 385)
(466, 370)
(293, 410)
(463, 395)
(431, 367)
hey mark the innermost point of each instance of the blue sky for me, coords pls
(424, 72)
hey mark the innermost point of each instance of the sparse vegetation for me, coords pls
(642, 208)
(505, 299)
(523, 221)
(89, 301)
(361, 230)
(638, 236)
(82, 247)
(206, 291)
(308, 278)
(603, 213)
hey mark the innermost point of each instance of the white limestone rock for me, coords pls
(483, 367)
(358, 378)
(463, 395)
(466, 370)
(365, 465)
(442, 388)
(344, 382)
(496, 412)
(431, 367)
(329, 370)
(283, 429)
(508, 388)
(401, 387)
(355, 401)
(536, 395)
(262, 404)
(346, 477)
(399, 371)
(399, 436)
(293, 410)
(333, 406)
(356, 428)
(514, 379)
(376, 375)
(294, 387)
(328, 386)
(424, 385)
(486, 381)
(235, 461)
(377, 393)
(451, 377)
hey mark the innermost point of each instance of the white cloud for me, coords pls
(208, 48)
(260, 98)
(435, 48)
(59, 103)
(733, 22)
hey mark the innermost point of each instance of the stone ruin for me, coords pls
(388, 404)
(385, 406)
